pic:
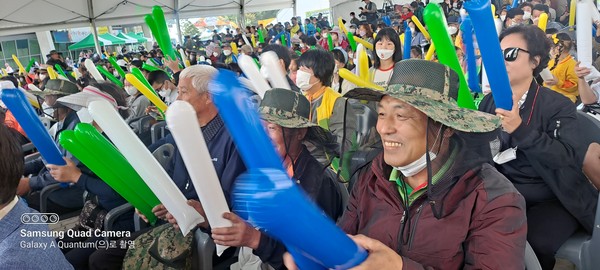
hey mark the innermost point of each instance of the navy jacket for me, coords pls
(226, 159)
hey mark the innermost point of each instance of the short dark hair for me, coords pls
(338, 55)
(392, 35)
(116, 92)
(352, 13)
(321, 62)
(541, 7)
(309, 40)
(283, 53)
(137, 63)
(11, 165)
(514, 12)
(157, 76)
(538, 44)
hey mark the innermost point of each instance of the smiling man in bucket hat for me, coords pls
(426, 197)
(285, 115)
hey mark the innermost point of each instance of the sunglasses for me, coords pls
(511, 54)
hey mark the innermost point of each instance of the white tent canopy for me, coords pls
(17, 17)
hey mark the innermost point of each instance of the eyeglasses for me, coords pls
(511, 54)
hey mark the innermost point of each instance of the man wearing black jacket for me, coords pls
(286, 118)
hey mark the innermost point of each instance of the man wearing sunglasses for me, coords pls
(539, 144)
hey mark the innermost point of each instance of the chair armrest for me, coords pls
(139, 223)
(114, 214)
(45, 193)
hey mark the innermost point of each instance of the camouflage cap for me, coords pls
(57, 87)
(431, 88)
(291, 109)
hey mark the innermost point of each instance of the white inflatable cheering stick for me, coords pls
(145, 165)
(584, 39)
(183, 123)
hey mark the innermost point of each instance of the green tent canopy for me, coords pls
(113, 39)
(132, 37)
(88, 42)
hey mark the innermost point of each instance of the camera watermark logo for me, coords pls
(39, 218)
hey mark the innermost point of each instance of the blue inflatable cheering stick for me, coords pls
(17, 103)
(467, 30)
(268, 198)
(491, 52)
(407, 42)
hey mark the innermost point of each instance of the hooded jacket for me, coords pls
(472, 218)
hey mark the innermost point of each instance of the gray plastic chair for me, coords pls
(583, 249)
(531, 260)
(159, 131)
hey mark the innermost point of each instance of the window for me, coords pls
(25, 49)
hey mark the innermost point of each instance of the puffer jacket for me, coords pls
(472, 218)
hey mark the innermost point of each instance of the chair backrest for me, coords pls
(164, 154)
(159, 131)
(203, 248)
(141, 127)
(589, 128)
(366, 119)
(595, 240)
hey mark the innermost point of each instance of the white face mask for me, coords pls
(527, 15)
(303, 80)
(353, 30)
(116, 73)
(385, 54)
(226, 52)
(419, 164)
(131, 90)
(85, 116)
(452, 30)
(412, 30)
(215, 54)
(502, 17)
(335, 69)
(302, 45)
(416, 166)
(164, 92)
(362, 33)
(42, 77)
(202, 59)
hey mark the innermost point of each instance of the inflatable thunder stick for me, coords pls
(446, 54)
(161, 27)
(489, 46)
(253, 74)
(113, 62)
(342, 26)
(109, 76)
(329, 42)
(267, 195)
(276, 75)
(100, 156)
(365, 43)
(418, 23)
(352, 41)
(407, 43)
(89, 65)
(30, 65)
(573, 11)
(473, 77)
(430, 51)
(133, 80)
(17, 103)
(61, 71)
(145, 164)
(18, 62)
(351, 77)
(363, 67)
(183, 123)
(543, 21)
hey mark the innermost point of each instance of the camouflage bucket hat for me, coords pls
(57, 87)
(431, 88)
(291, 109)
